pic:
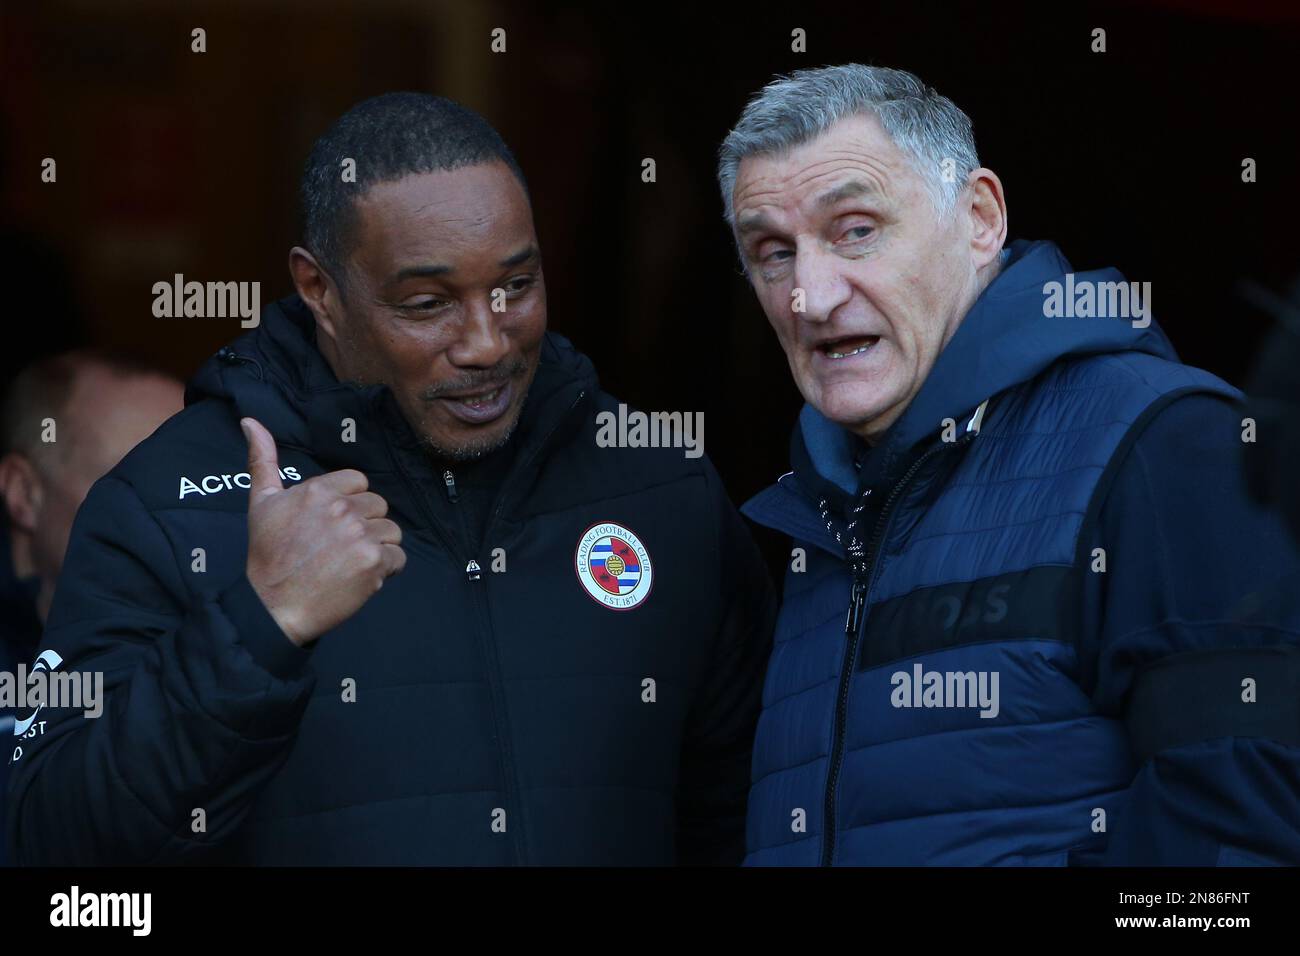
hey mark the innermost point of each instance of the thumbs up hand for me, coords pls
(319, 550)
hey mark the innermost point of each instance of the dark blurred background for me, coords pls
(172, 161)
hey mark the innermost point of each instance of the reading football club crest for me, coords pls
(613, 566)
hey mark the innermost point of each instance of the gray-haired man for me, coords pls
(1014, 629)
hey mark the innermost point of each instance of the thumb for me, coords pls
(263, 461)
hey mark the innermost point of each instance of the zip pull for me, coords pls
(857, 598)
(230, 357)
(472, 571)
(449, 480)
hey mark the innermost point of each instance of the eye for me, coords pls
(857, 233)
(424, 305)
(770, 253)
(520, 284)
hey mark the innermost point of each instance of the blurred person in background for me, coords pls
(64, 422)
(1272, 461)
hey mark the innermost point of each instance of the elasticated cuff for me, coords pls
(259, 632)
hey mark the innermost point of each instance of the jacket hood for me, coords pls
(276, 374)
(1004, 340)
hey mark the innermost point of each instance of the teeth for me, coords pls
(477, 400)
(840, 355)
(846, 348)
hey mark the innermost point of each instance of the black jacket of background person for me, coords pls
(20, 630)
(514, 692)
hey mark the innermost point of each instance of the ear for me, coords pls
(317, 289)
(988, 215)
(22, 491)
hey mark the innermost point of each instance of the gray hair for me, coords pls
(794, 109)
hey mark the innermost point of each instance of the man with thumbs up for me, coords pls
(435, 621)
(316, 553)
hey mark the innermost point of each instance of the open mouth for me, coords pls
(846, 347)
(480, 407)
(480, 400)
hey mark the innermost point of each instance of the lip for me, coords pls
(480, 414)
(844, 338)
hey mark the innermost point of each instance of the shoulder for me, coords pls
(648, 462)
(203, 439)
(1190, 423)
(1183, 457)
(1139, 375)
(650, 446)
(1116, 396)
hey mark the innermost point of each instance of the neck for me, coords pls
(45, 598)
(22, 558)
(20, 553)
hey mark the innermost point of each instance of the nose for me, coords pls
(818, 273)
(482, 343)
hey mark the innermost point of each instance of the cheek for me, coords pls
(412, 351)
(787, 337)
(908, 306)
(362, 351)
(527, 323)
(779, 316)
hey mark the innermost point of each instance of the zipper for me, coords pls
(492, 663)
(488, 646)
(853, 630)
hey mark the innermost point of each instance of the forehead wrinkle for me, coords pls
(877, 172)
(402, 204)
(429, 211)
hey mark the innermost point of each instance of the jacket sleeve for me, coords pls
(713, 789)
(201, 699)
(1197, 631)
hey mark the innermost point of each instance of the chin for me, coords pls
(852, 406)
(462, 444)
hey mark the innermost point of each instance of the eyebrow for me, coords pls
(433, 271)
(419, 272)
(848, 190)
(520, 257)
(754, 222)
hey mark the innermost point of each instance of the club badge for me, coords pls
(613, 566)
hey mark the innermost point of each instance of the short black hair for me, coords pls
(389, 137)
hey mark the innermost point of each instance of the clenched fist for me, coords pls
(316, 552)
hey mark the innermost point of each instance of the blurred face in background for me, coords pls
(845, 226)
(105, 415)
(431, 253)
